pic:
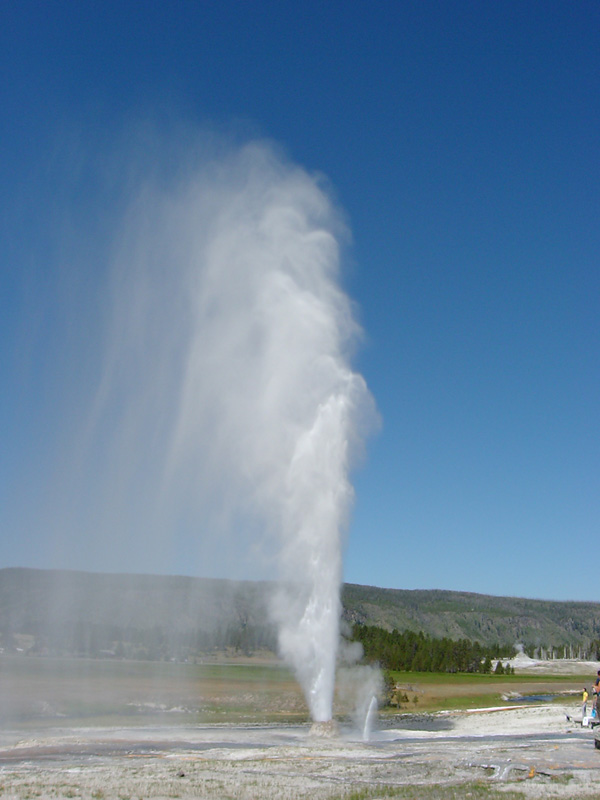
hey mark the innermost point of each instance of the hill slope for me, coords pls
(485, 618)
(163, 616)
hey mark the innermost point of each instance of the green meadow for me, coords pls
(85, 691)
(427, 692)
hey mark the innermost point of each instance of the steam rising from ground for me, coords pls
(226, 400)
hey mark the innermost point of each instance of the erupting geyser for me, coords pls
(367, 727)
(231, 342)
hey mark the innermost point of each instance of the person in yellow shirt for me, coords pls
(584, 702)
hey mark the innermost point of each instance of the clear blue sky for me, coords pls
(462, 140)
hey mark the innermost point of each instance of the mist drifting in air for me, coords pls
(226, 402)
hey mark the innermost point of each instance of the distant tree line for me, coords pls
(407, 651)
(417, 652)
(547, 652)
(158, 643)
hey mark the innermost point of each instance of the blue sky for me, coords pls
(460, 138)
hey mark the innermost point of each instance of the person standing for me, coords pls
(584, 700)
(596, 693)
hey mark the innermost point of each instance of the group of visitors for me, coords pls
(596, 695)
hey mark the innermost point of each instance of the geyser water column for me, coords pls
(229, 298)
(307, 607)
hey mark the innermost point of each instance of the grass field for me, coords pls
(434, 692)
(88, 691)
(98, 692)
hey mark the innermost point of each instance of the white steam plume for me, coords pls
(227, 389)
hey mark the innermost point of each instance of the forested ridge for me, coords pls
(175, 617)
(549, 628)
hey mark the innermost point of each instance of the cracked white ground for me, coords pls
(535, 749)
